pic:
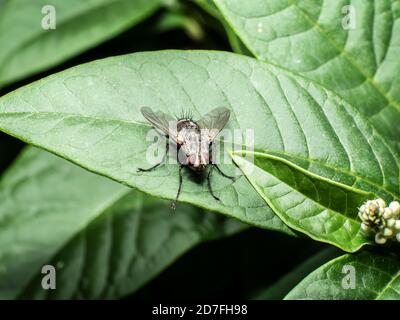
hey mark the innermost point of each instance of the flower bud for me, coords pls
(381, 220)
(395, 207)
(379, 239)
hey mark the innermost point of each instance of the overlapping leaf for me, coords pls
(363, 276)
(351, 47)
(324, 210)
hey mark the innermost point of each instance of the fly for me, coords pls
(193, 140)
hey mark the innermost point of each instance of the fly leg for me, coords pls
(158, 164)
(173, 203)
(209, 183)
(224, 174)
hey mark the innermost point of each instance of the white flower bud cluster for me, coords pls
(382, 220)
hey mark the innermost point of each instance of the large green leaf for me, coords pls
(27, 48)
(90, 115)
(376, 277)
(307, 36)
(105, 239)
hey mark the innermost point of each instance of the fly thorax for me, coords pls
(189, 136)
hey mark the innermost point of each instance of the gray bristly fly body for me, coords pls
(193, 140)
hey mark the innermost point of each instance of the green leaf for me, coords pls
(90, 115)
(171, 20)
(376, 277)
(235, 42)
(105, 239)
(209, 7)
(128, 245)
(27, 48)
(360, 64)
(280, 288)
(323, 209)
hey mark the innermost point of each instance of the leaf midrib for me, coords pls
(323, 164)
(312, 175)
(388, 285)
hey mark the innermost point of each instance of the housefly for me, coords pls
(193, 141)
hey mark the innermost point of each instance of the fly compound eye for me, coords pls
(182, 158)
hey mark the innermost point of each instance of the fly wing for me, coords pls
(214, 121)
(161, 121)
